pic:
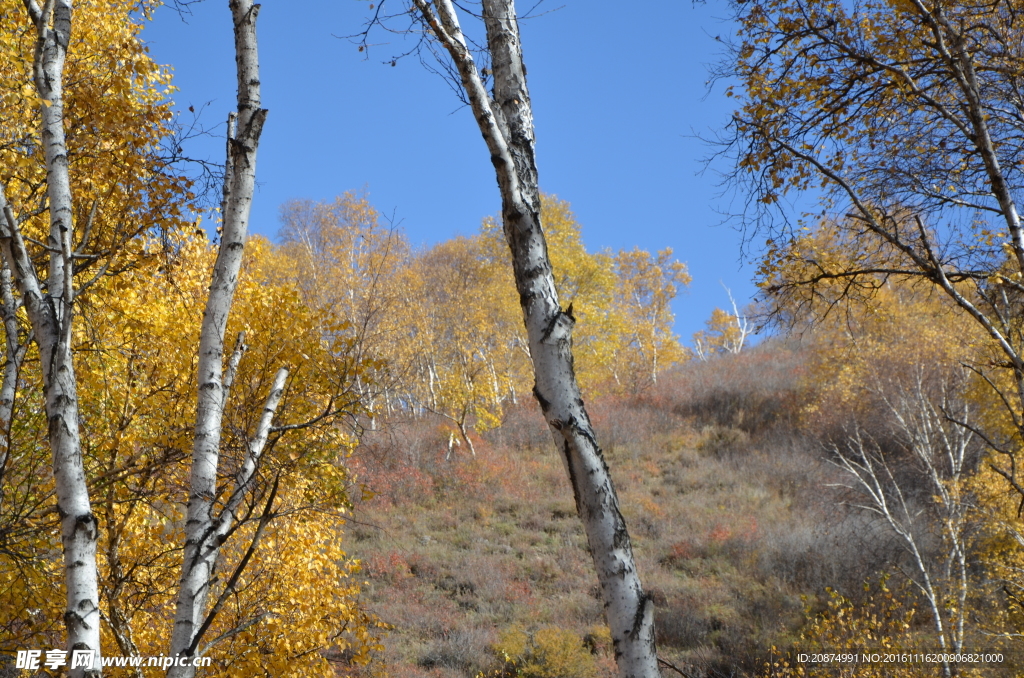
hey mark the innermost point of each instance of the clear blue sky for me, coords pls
(619, 91)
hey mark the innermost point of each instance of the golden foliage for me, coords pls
(117, 115)
(443, 326)
(548, 652)
(881, 624)
(137, 391)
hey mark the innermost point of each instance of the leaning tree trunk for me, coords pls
(205, 532)
(49, 306)
(506, 122)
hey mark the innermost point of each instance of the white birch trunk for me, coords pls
(941, 448)
(203, 532)
(50, 314)
(14, 350)
(506, 122)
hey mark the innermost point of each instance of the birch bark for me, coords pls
(50, 313)
(506, 123)
(204, 532)
(15, 349)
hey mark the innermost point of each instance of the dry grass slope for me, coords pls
(481, 564)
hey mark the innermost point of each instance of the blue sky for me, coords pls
(619, 93)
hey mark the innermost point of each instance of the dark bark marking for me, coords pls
(638, 619)
(550, 327)
(544, 404)
(72, 619)
(85, 519)
(567, 451)
(587, 432)
(512, 214)
(526, 297)
(533, 272)
(621, 536)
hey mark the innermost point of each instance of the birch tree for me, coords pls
(906, 119)
(49, 305)
(205, 528)
(82, 178)
(726, 332)
(942, 453)
(646, 287)
(506, 123)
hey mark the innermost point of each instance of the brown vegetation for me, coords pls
(480, 563)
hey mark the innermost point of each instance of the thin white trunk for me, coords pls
(14, 350)
(221, 526)
(452, 442)
(506, 122)
(50, 314)
(465, 433)
(432, 379)
(496, 395)
(742, 325)
(202, 529)
(941, 448)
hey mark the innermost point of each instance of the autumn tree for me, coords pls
(80, 181)
(903, 117)
(467, 344)
(129, 376)
(724, 332)
(939, 454)
(505, 119)
(244, 497)
(348, 261)
(140, 394)
(898, 414)
(646, 287)
(210, 522)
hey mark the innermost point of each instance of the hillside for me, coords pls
(729, 507)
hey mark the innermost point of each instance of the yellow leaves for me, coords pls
(110, 128)
(881, 621)
(645, 287)
(137, 395)
(548, 652)
(723, 334)
(132, 358)
(467, 332)
(866, 92)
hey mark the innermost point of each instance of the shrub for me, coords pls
(723, 441)
(460, 649)
(550, 652)
(753, 391)
(882, 623)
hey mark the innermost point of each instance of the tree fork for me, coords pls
(204, 532)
